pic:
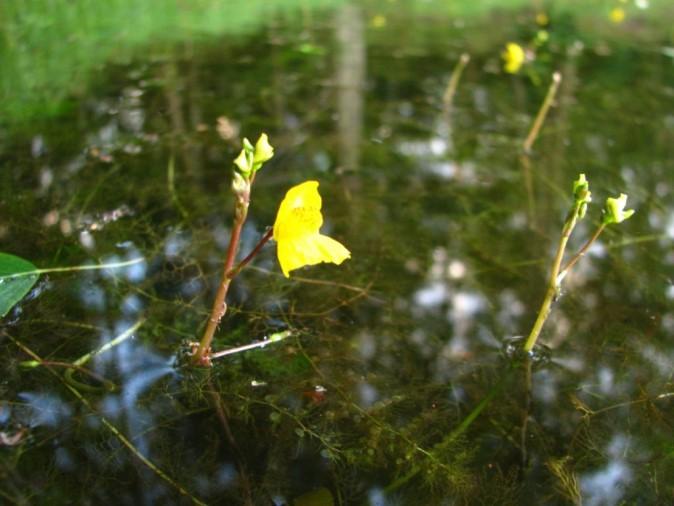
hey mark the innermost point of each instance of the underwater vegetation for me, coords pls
(180, 323)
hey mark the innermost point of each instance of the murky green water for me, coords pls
(395, 387)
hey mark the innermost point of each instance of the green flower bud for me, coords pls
(615, 211)
(29, 364)
(263, 150)
(581, 189)
(247, 145)
(243, 163)
(279, 336)
(582, 194)
(542, 37)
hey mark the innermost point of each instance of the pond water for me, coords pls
(398, 384)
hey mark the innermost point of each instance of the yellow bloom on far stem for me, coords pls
(296, 231)
(617, 15)
(378, 21)
(514, 58)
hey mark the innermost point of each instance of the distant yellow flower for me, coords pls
(617, 15)
(378, 21)
(513, 57)
(296, 231)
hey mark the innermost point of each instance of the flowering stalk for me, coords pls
(553, 284)
(614, 212)
(542, 112)
(448, 97)
(249, 161)
(296, 232)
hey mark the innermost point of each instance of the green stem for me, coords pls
(279, 336)
(553, 285)
(448, 97)
(542, 112)
(112, 265)
(565, 270)
(170, 176)
(77, 364)
(107, 385)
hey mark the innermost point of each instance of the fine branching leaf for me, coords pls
(17, 277)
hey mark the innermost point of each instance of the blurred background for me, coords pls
(119, 122)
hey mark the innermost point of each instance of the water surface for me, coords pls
(395, 387)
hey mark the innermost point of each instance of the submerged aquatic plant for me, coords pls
(296, 231)
(614, 212)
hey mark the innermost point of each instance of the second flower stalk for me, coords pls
(614, 212)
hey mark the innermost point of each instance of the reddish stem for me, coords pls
(219, 305)
(201, 356)
(268, 235)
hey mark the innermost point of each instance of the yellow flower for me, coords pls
(296, 229)
(513, 57)
(617, 15)
(378, 21)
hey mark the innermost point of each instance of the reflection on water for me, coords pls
(402, 383)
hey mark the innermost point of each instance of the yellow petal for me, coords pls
(299, 212)
(310, 250)
(331, 250)
(617, 15)
(514, 57)
(296, 231)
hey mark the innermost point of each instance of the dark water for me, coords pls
(394, 387)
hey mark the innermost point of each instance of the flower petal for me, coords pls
(299, 212)
(296, 231)
(331, 250)
(514, 57)
(309, 250)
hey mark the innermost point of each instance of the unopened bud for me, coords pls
(263, 150)
(243, 163)
(240, 184)
(615, 211)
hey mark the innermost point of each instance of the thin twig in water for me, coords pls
(542, 112)
(170, 181)
(448, 97)
(312, 281)
(112, 265)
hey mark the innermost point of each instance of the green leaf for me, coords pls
(17, 277)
